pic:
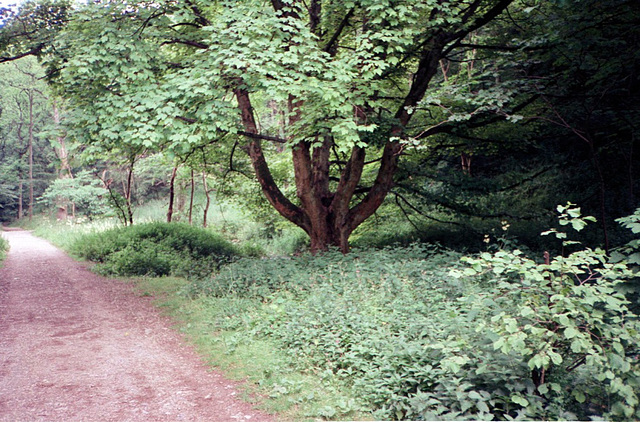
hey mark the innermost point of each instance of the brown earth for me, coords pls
(75, 346)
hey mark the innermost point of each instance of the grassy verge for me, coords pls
(267, 373)
(66, 235)
(4, 248)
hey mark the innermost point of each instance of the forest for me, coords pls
(432, 207)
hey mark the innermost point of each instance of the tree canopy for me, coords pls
(447, 104)
(341, 81)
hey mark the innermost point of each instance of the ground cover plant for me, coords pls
(504, 336)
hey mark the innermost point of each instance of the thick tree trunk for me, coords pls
(328, 217)
(254, 148)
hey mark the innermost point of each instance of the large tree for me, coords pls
(337, 84)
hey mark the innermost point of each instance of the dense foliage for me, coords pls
(85, 193)
(414, 340)
(155, 249)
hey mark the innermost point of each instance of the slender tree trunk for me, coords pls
(31, 124)
(128, 191)
(20, 200)
(465, 160)
(61, 152)
(208, 202)
(602, 190)
(193, 188)
(172, 184)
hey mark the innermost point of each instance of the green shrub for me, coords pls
(4, 248)
(155, 249)
(505, 337)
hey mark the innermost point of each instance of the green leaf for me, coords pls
(570, 332)
(578, 225)
(574, 212)
(526, 311)
(475, 395)
(519, 400)
(556, 358)
(482, 406)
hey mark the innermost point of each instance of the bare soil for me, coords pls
(75, 346)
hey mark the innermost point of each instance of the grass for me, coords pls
(64, 235)
(4, 248)
(268, 378)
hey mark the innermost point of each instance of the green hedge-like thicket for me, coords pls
(155, 249)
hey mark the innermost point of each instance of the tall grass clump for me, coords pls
(4, 248)
(155, 249)
(65, 234)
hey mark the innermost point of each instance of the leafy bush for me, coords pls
(417, 336)
(630, 253)
(155, 249)
(85, 191)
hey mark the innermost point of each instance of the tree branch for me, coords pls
(330, 45)
(190, 43)
(269, 187)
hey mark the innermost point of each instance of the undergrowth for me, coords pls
(64, 235)
(4, 248)
(501, 337)
(155, 249)
(415, 332)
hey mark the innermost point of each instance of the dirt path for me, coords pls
(78, 347)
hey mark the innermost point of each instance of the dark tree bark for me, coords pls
(128, 191)
(172, 183)
(20, 200)
(193, 188)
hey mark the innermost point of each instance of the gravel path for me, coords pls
(78, 347)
